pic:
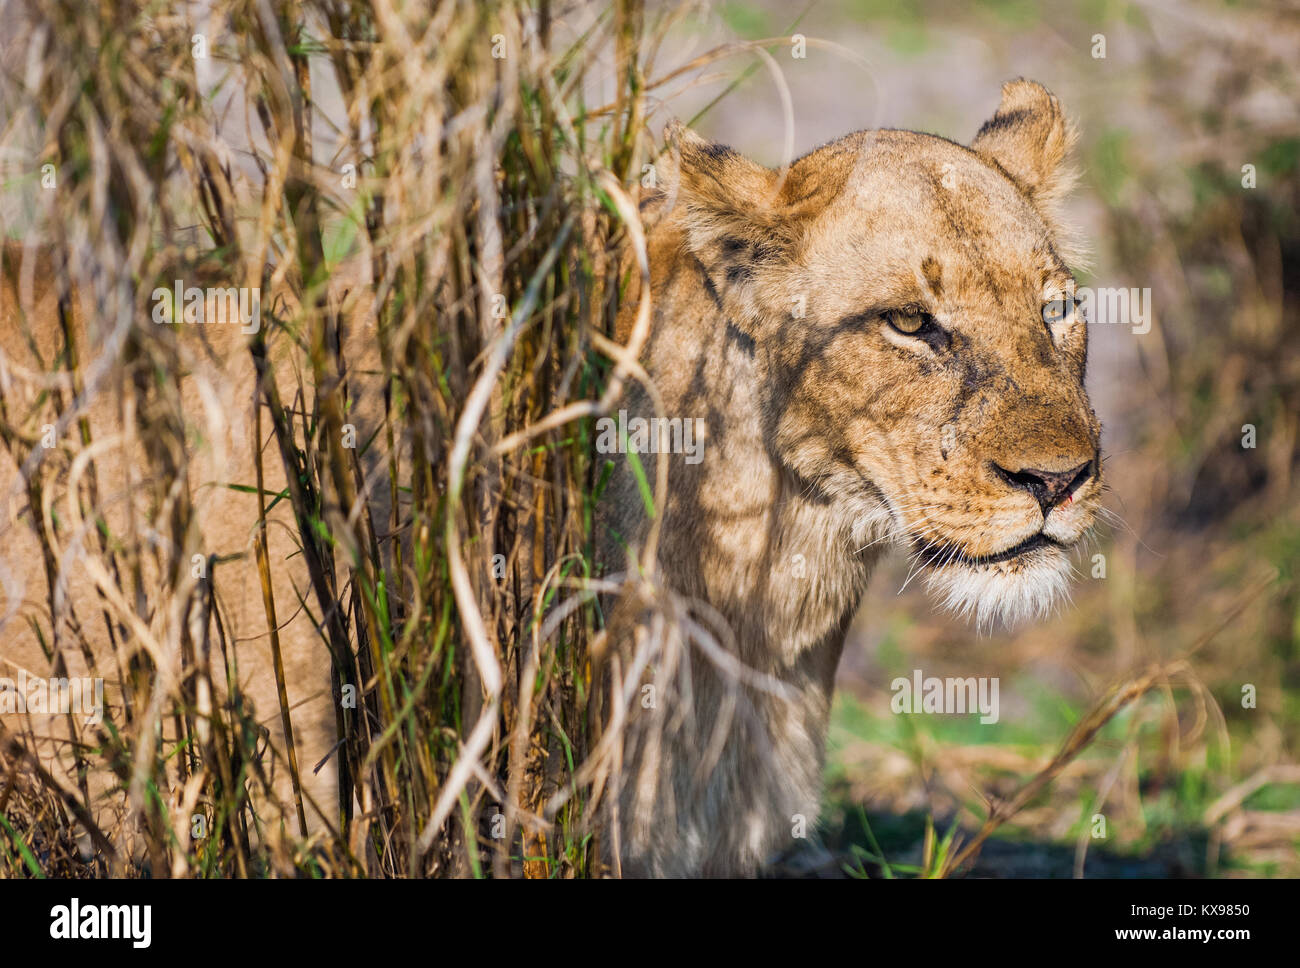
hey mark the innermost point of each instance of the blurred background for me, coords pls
(1189, 131)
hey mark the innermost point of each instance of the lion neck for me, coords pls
(781, 561)
(784, 562)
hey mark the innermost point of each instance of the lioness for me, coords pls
(883, 345)
(880, 346)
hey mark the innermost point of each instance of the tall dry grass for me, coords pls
(445, 150)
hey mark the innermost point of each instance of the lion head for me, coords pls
(911, 302)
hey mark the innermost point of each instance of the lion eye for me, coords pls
(1059, 310)
(908, 321)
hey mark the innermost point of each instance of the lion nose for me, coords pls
(1049, 488)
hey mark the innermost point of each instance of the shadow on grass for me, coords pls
(853, 841)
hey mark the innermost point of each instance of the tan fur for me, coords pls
(831, 434)
(216, 388)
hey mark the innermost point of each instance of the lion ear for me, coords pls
(722, 194)
(1029, 138)
(734, 218)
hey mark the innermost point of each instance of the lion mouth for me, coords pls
(938, 555)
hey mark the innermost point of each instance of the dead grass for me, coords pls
(489, 216)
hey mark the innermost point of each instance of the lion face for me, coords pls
(924, 364)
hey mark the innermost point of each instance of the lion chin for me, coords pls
(1027, 586)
